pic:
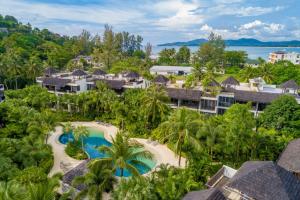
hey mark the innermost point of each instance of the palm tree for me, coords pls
(79, 133)
(68, 127)
(266, 72)
(125, 154)
(155, 106)
(97, 180)
(179, 128)
(48, 122)
(42, 191)
(248, 73)
(11, 191)
(210, 132)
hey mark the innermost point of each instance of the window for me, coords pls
(225, 101)
(207, 104)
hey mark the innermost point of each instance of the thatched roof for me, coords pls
(99, 72)
(209, 194)
(265, 180)
(49, 71)
(160, 79)
(79, 72)
(291, 84)
(186, 94)
(132, 75)
(230, 81)
(113, 84)
(53, 81)
(213, 83)
(79, 170)
(290, 157)
(252, 96)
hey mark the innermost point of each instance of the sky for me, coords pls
(161, 21)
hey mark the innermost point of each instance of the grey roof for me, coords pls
(186, 94)
(99, 72)
(160, 79)
(79, 72)
(291, 84)
(171, 69)
(49, 71)
(79, 170)
(230, 81)
(265, 180)
(290, 157)
(132, 75)
(209, 194)
(213, 83)
(53, 81)
(252, 96)
(113, 84)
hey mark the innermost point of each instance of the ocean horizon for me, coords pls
(253, 52)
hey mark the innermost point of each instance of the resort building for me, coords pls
(255, 180)
(2, 97)
(230, 91)
(276, 56)
(170, 70)
(80, 81)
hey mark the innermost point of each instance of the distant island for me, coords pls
(239, 42)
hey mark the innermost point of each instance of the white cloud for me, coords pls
(206, 28)
(180, 14)
(258, 25)
(251, 25)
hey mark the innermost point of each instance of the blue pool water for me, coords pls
(95, 140)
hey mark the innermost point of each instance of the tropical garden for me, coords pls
(29, 114)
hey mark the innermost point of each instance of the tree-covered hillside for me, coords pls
(25, 51)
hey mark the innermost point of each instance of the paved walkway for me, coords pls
(59, 153)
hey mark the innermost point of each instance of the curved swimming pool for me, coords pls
(95, 140)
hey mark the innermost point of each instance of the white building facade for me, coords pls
(293, 57)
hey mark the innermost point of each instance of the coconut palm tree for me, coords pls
(266, 73)
(209, 133)
(11, 191)
(97, 180)
(79, 133)
(42, 191)
(155, 106)
(180, 128)
(124, 154)
(67, 127)
(48, 122)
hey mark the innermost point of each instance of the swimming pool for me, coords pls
(95, 140)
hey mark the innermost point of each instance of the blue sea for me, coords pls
(253, 52)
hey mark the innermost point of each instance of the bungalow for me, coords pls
(80, 81)
(255, 180)
(171, 70)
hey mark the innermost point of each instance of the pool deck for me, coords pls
(162, 154)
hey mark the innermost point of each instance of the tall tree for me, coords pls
(155, 107)
(80, 132)
(124, 154)
(181, 128)
(183, 55)
(211, 54)
(97, 180)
